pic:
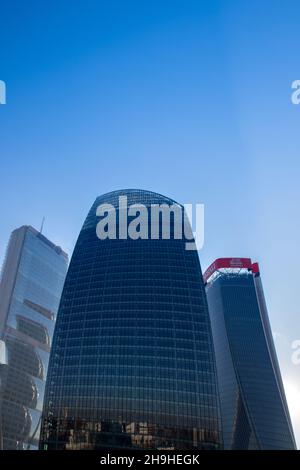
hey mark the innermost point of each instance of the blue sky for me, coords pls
(188, 98)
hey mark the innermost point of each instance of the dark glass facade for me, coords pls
(132, 363)
(253, 405)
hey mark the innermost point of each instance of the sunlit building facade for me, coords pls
(31, 284)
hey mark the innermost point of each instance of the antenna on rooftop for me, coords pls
(42, 224)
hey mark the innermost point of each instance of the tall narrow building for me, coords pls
(31, 284)
(254, 410)
(132, 363)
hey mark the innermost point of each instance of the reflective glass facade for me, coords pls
(31, 284)
(253, 405)
(132, 363)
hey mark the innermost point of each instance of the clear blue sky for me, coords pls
(187, 98)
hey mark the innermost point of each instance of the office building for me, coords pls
(132, 364)
(31, 283)
(254, 410)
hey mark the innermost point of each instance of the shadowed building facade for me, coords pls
(254, 410)
(132, 363)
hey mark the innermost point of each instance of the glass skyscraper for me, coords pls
(132, 363)
(31, 284)
(254, 410)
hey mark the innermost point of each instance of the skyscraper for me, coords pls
(132, 363)
(254, 410)
(31, 283)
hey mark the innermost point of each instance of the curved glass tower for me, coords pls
(254, 410)
(132, 363)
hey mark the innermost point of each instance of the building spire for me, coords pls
(42, 224)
